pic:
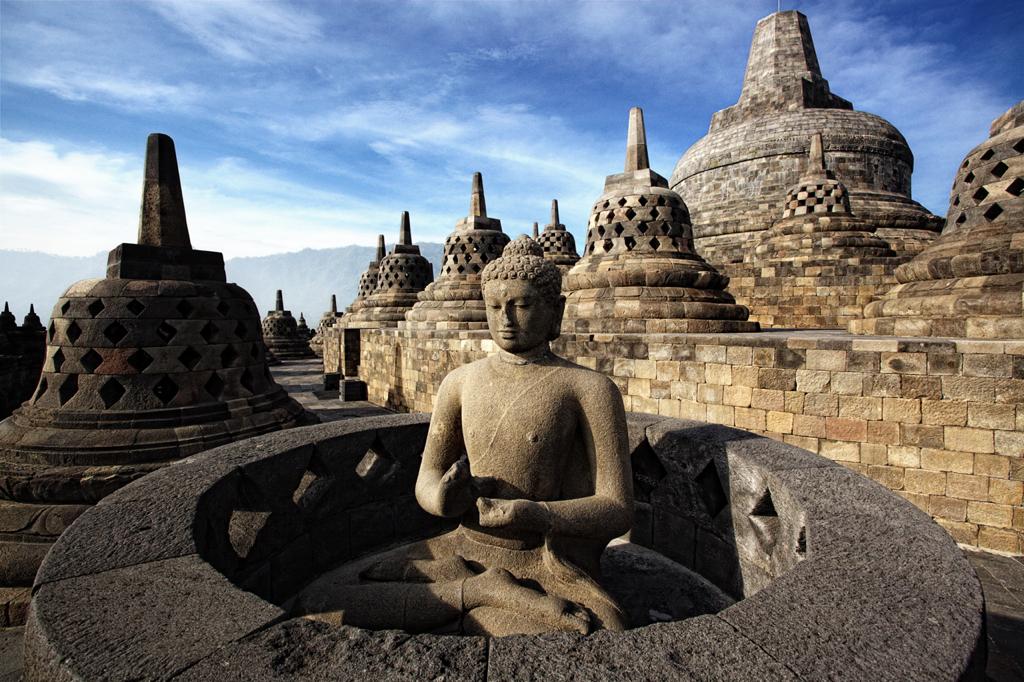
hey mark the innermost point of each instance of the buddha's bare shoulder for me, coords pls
(453, 381)
(585, 379)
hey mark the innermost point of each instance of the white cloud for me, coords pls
(59, 200)
(77, 83)
(262, 31)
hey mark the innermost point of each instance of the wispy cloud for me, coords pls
(90, 201)
(262, 31)
(313, 124)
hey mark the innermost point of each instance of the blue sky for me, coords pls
(314, 124)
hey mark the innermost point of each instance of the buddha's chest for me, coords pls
(522, 432)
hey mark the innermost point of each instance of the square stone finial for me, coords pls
(381, 250)
(162, 217)
(279, 304)
(404, 243)
(554, 212)
(636, 146)
(477, 203)
(816, 155)
(405, 230)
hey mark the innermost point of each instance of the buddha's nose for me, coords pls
(507, 318)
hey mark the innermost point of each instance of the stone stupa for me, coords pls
(819, 263)
(21, 357)
(327, 320)
(454, 302)
(282, 335)
(302, 328)
(732, 177)
(558, 243)
(401, 276)
(970, 281)
(639, 272)
(159, 360)
(368, 280)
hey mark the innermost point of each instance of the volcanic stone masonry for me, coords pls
(368, 280)
(21, 357)
(454, 302)
(326, 320)
(938, 420)
(159, 360)
(970, 281)
(639, 272)
(558, 243)
(282, 336)
(732, 178)
(819, 264)
(400, 277)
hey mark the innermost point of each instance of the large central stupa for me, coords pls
(754, 150)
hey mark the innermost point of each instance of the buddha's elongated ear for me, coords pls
(556, 320)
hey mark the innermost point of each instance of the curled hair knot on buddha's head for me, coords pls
(523, 259)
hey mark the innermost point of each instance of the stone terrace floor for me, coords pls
(303, 379)
(1002, 578)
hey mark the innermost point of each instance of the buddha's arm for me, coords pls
(444, 484)
(607, 513)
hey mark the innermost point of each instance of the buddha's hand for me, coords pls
(459, 489)
(525, 515)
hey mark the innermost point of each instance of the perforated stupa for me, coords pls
(282, 334)
(368, 280)
(639, 272)
(402, 275)
(819, 263)
(970, 281)
(558, 243)
(454, 300)
(160, 359)
(327, 320)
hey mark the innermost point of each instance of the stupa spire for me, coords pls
(477, 204)
(816, 155)
(554, 212)
(636, 147)
(782, 46)
(334, 303)
(162, 217)
(381, 251)
(405, 230)
(279, 305)
(536, 230)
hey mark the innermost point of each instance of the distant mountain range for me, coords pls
(307, 277)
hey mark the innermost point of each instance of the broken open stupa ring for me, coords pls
(183, 573)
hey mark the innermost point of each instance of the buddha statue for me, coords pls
(529, 452)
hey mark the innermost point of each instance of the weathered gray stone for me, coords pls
(149, 621)
(970, 281)
(159, 360)
(639, 271)
(835, 575)
(733, 177)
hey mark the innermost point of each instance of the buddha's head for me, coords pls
(523, 296)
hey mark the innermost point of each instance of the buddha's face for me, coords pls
(519, 317)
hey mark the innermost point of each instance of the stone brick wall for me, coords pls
(939, 421)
